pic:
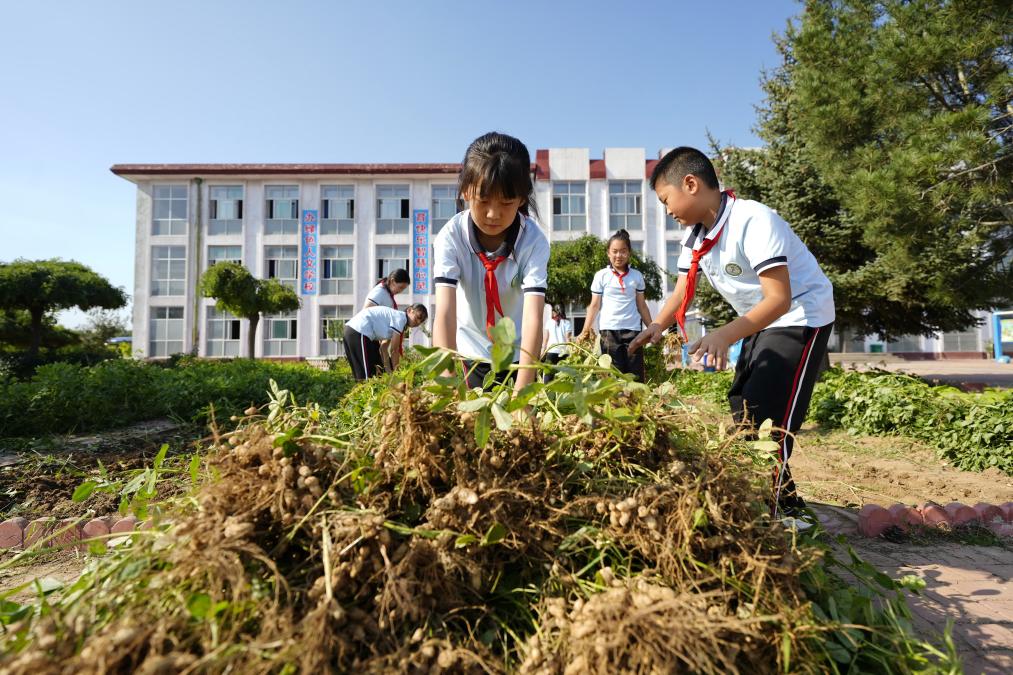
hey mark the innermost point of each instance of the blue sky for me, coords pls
(84, 86)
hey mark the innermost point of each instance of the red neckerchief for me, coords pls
(492, 304)
(694, 268)
(620, 276)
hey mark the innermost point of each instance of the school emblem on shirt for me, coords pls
(733, 270)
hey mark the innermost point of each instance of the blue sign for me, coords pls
(420, 249)
(308, 261)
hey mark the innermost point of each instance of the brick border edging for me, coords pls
(20, 533)
(874, 519)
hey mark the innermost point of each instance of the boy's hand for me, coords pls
(650, 335)
(713, 344)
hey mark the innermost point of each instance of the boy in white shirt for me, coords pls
(785, 303)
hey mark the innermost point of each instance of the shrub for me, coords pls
(65, 397)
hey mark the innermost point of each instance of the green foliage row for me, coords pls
(971, 431)
(65, 397)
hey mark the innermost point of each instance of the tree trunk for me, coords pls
(251, 337)
(33, 346)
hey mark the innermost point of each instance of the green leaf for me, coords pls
(483, 428)
(160, 457)
(465, 540)
(194, 468)
(786, 651)
(475, 404)
(604, 361)
(503, 419)
(502, 355)
(766, 446)
(84, 490)
(497, 533)
(504, 332)
(700, 518)
(198, 604)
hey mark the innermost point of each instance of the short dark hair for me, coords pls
(496, 162)
(681, 162)
(421, 310)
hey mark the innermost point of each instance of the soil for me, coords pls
(61, 566)
(833, 467)
(39, 481)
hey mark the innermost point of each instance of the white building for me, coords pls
(191, 215)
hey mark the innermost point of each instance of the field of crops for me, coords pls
(589, 525)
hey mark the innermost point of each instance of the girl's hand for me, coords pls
(713, 344)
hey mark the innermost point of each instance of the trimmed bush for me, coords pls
(64, 397)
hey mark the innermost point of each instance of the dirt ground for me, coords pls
(40, 481)
(837, 468)
(62, 566)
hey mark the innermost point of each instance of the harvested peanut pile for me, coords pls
(420, 530)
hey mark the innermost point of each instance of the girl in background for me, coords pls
(617, 294)
(382, 294)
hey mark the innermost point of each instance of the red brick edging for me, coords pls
(873, 519)
(21, 533)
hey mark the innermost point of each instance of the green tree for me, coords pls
(240, 293)
(41, 287)
(103, 324)
(904, 108)
(572, 266)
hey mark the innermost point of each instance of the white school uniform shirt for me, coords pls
(524, 272)
(753, 239)
(559, 334)
(379, 323)
(381, 296)
(618, 303)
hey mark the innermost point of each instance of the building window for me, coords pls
(282, 263)
(280, 333)
(225, 206)
(336, 265)
(222, 333)
(282, 209)
(671, 224)
(392, 209)
(390, 258)
(166, 331)
(332, 326)
(169, 215)
(337, 209)
(168, 270)
(961, 341)
(637, 246)
(444, 206)
(624, 205)
(672, 251)
(569, 206)
(218, 254)
(905, 343)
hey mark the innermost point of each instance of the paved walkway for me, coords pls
(956, 371)
(972, 585)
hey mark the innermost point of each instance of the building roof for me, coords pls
(279, 169)
(540, 169)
